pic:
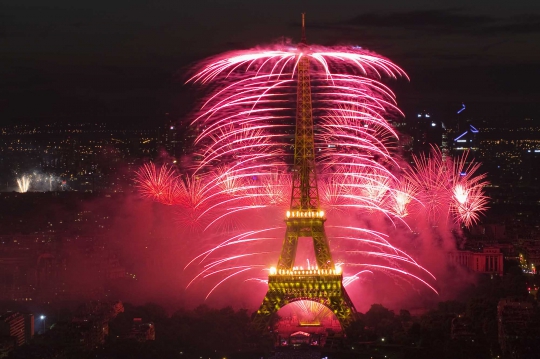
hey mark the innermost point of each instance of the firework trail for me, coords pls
(24, 184)
(237, 194)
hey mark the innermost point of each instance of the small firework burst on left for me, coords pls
(24, 184)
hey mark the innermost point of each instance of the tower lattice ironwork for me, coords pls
(287, 283)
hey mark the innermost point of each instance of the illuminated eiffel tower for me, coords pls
(287, 283)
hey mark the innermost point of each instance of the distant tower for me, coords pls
(305, 218)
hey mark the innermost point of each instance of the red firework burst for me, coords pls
(158, 184)
(448, 186)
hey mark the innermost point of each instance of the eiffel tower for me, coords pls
(287, 283)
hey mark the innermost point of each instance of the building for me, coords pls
(461, 329)
(531, 166)
(426, 131)
(18, 326)
(513, 316)
(177, 138)
(142, 332)
(91, 323)
(172, 138)
(489, 261)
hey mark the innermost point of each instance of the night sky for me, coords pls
(125, 61)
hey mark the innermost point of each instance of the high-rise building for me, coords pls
(425, 131)
(531, 168)
(171, 138)
(18, 326)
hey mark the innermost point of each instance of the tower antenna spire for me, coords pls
(303, 39)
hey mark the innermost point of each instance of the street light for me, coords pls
(43, 318)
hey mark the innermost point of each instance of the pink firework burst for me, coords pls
(239, 190)
(250, 114)
(469, 200)
(448, 186)
(158, 184)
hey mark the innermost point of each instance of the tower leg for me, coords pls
(271, 304)
(288, 250)
(322, 248)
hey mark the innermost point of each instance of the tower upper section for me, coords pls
(305, 193)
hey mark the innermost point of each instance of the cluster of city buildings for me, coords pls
(102, 156)
(64, 257)
(46, 261)
(86, 329)
(489, 246)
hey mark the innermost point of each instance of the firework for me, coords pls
(469, 197)
(24, 184)
(38, 181)
(401, 198)
(448, 186)
(158, 184)
(310, 312)
(247, 119)
(239, 189)
(244, 147)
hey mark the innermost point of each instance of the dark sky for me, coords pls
(123, 60)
